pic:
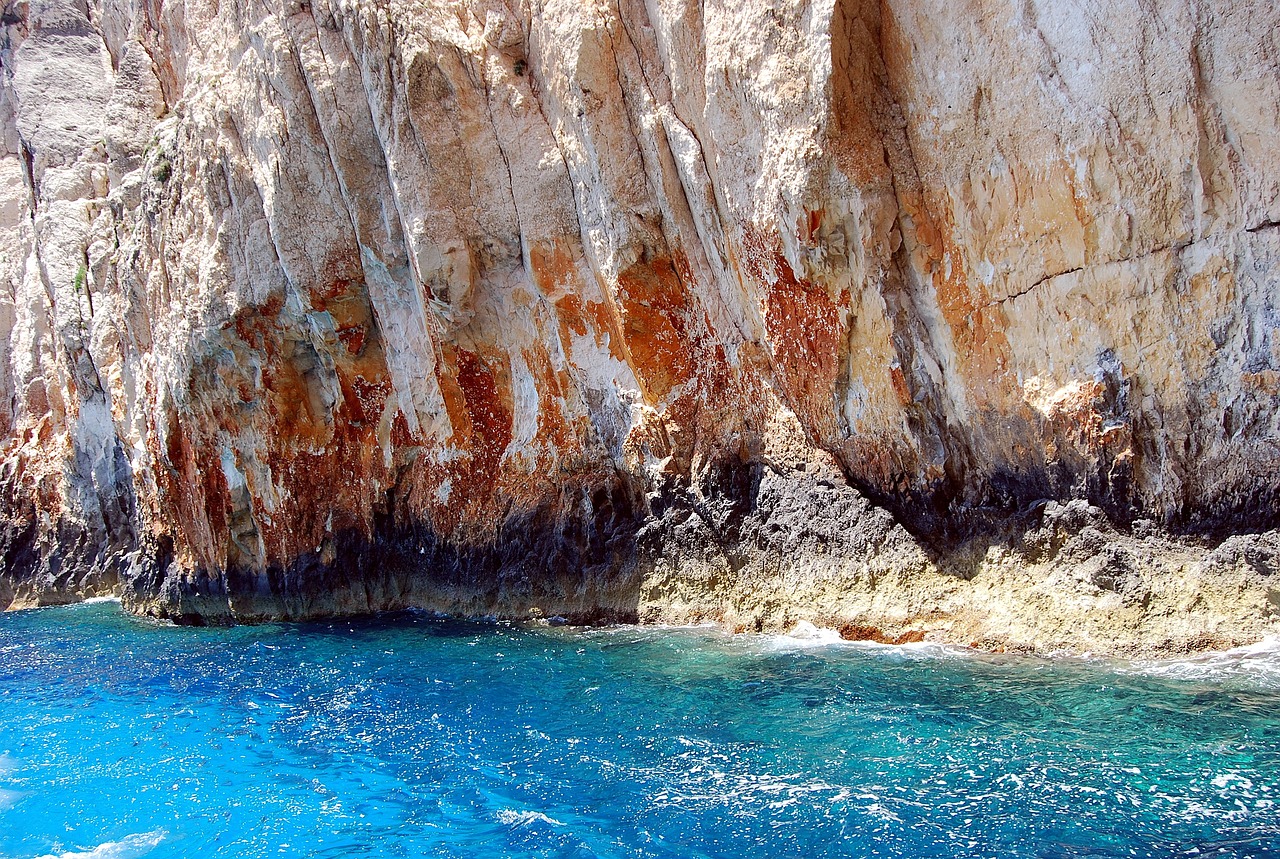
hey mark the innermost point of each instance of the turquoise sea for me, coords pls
(417, 736)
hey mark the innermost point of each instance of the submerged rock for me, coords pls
(900, 316)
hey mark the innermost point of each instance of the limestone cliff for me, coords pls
(915, 317)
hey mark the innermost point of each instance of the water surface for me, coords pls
(416, 736)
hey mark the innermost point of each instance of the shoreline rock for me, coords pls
(768, 550)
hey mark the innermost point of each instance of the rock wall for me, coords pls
(655, 309)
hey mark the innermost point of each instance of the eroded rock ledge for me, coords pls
(899, 317)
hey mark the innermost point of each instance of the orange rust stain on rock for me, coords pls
(256, 325)
(289, 404)
(605, 324)
(579, 317)
(811, 227)
(899, 381)
(1263, 381)
(554, 431)
(966, 306)
(193, 491)
(454, 399)
(353, 338)
(490, 416)
(480, 411)
(557, 277)
(329, 488)
(804, 327)
(324, 463)
(325, 469)
(857, 72)
(653, 306)
(287, 397)
(1076, 418)
(213, 488)
(401, 435)
(342, 275)
(681, 262)
(864, 632)
(570, 311)
(564, 379)
(1080, 205)
(363, 400)
(714, 370)
(553, 269)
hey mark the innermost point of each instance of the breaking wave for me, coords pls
(1255, 665)
(129, 847)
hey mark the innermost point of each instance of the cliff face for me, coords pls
(627, 309)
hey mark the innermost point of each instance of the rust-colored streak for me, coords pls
(195, 492)
(364, 400)
(553, 269)
(289, 402)
(653, 305)
(858, 82)
(570, 311)
(554, 431)
(556, 274)
(353, 338)
(321, 465)
(402, 436)
(805, 329)
(864, 632)
(975, 324)
(213, 487)
(605, 324)
(812, 226)
(490, 420)
(715, 370)
(321, 490)
(255, 325)
(899, 382)
(342, 276)
(455, 405)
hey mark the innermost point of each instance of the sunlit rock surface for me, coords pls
(911, 317)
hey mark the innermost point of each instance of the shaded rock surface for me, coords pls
(907, 318)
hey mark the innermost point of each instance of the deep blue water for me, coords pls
(414, 736)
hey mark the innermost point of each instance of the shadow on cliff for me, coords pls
(591, 559)
(579, 564)
(54, 561)
(712, 550)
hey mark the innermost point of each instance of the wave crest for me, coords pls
(129, 847)
(1257, 664)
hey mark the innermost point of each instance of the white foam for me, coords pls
(881, 812)
(95, 600)
(803, 636)
(926, 649)
(1255, 663)
(511, 817)
(1225, 780)
(806, 636)
(128, 847)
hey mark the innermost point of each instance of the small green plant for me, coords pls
(78, 283)
(163, 170)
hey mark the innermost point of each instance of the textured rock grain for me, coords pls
(907, 317)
